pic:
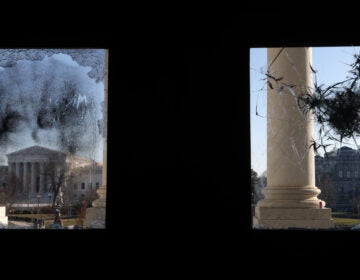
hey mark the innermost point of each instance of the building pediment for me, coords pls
(36, 151)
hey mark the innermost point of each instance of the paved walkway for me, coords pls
(20, 225)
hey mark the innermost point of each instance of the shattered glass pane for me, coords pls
(337, 159)
(53, 110)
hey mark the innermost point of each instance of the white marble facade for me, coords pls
(30, 167)
(33, 170)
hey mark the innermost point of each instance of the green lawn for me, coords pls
(345, 222)
(344, 219)
(66, 222)
(33, 216)
(49, 219)
(340, 214)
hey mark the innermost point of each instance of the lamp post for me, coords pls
(38, 199)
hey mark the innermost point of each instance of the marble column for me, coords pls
(42, 177)
(25, 174)
(33, 177)
(21, 174)
(95, 216)
(290, 195)
(3, 218)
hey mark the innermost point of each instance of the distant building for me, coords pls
(32, 173)
(338, 175)
(83, 183)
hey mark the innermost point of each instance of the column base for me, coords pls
(95, 216)
(284, 218)
(3, 218)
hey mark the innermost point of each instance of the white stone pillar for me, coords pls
(3, 218)
(20, 174)
(33, 177)
(95, 216)
(42, 177)
(291, 195)
(25, 181)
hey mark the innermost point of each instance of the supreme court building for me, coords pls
(33, 171)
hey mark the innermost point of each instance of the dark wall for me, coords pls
(184, 107)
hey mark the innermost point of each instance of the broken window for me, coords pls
(338, 157)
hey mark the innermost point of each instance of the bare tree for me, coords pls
(257, 186)
(10, 193)
(55, 177)
(327, 187)
(91, 196)
(355, 204)
(59, 175)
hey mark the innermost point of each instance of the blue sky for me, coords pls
(331, 64)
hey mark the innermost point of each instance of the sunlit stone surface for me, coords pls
(291, 195)
(3, 218)
(95, 216)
